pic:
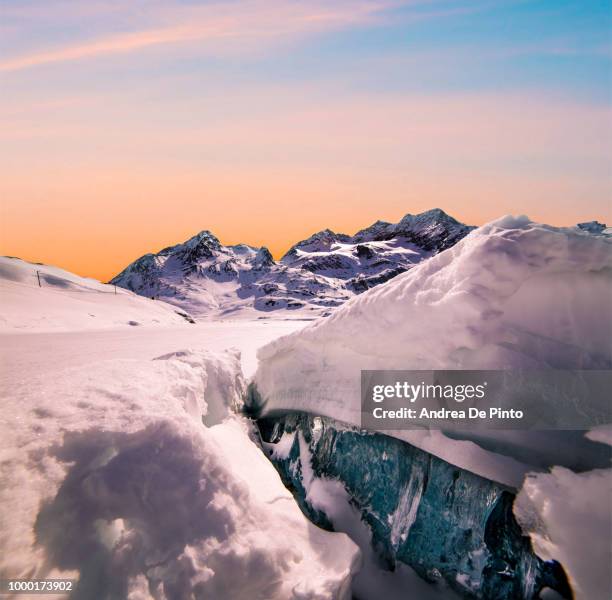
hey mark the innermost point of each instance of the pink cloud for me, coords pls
(245, 19)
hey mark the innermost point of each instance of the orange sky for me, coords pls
(91, 195)
(95, 224)
(265, 121)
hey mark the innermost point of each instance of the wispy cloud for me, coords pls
(111, 45)
(253, 19)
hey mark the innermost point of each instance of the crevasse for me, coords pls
(450, 525)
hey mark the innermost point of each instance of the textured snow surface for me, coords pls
(108, 473)
(67, 302)
(511, 294)
(46, 353)
(568, 516)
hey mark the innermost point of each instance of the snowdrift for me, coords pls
(511, 294)
(567, 516)
(135, 477)
(45, 298)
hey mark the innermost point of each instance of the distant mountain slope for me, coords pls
(207, 278)
(38, 297)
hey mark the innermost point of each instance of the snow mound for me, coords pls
(42, 298)
(122, 485)
(512, 294)
(568, 518)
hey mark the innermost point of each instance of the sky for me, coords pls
(126, 127)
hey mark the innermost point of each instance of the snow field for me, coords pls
(108, 474)
(67, 302)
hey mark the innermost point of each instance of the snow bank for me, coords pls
(107, 473)
(512, 294)
(568, 518)
(66, 302)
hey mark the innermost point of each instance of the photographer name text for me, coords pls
(412, 393)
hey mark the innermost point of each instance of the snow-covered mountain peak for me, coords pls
(263, 258)
(244, 249)
(321, 272)
(432, 230)
(434, 218)
(204, 235)
(321, 241)
(202, 245)
(375, 231)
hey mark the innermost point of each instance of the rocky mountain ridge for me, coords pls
(317, 274)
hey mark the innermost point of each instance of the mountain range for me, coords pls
(209, 279)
